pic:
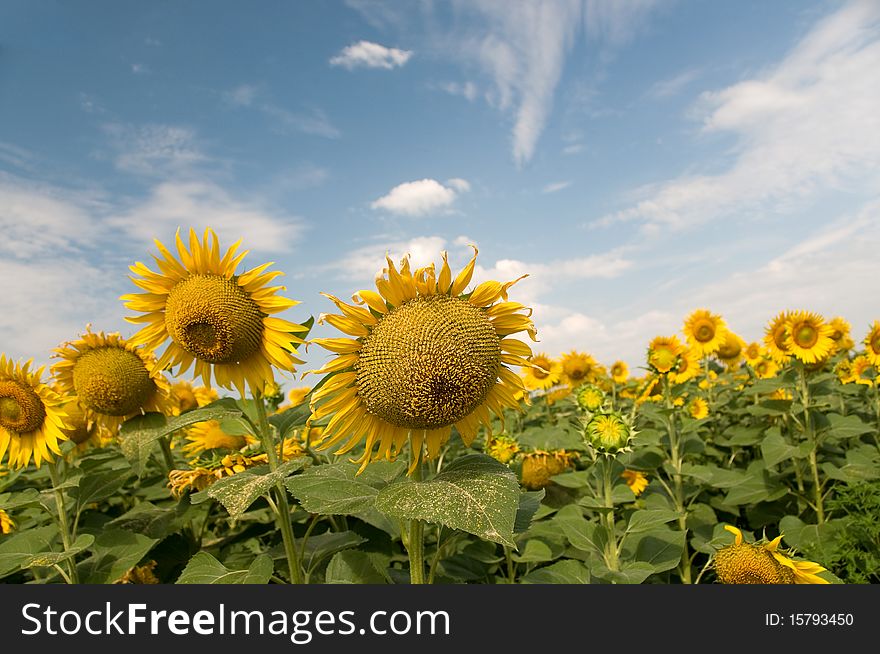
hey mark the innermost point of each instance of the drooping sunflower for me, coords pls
(185, 397)
(212, 317)
(32, 420)
(663, 353)
(111, 378)
(704, 331)
(539, 466)
(209, 435)
(808, 337)
(545, 373)
(688, 367)
(776, 338)
(762, 563)
(421, 357)
(872, 344)
(637, 481)
(730, 353)
(619, 372)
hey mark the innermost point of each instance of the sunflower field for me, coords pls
(436, 445)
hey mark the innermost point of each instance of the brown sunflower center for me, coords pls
(21, 409)
(704, 331)
(544, 365)
(750, 564)
(806, 335)
(577, 371)
(779, 334)
(112, 381)
(428, 363)
(875, 344)
(729, 350)
(214, 319)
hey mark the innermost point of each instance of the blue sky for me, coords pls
(639, 159)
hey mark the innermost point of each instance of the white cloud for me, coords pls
(810, 124)
(674, 85)
(364, 263)
(241, 96)
(574, 148)
(154, 150)
(202, 204)
(468, 90)
(554, 187)
(365, 54)
(460, 185)
(421, 197)
(140, 69)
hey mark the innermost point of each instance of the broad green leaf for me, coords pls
(337, 489)
(99, 486)
(147, 519)
(323, 545)
(579, 532)
(755, 488)
(238, 492)
(205, 569)
(535, 551)
(561, 572)
(353, 567)
(26, 497)
(578, 479)
(24, 545)
(775, 450)
(661, 548)
(46, 559)
(631, 572)
(849, 426)
(475, 493)
(641, 521)
(115, 551)
(529, 503)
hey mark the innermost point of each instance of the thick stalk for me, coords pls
(282, 508)
(165, 445)
(611, 553)
(675, 457)
(415, 545)
(63, 524)
(814, 446)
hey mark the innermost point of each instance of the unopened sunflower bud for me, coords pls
(608, 433)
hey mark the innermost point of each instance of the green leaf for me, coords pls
(137, 435)
(323, 545)
(579, 532)
(561, 572)
(535, 551)
(849, 426)
(475, 493)
(205, 569)
(145, 518)
(115, 552)
(353, 567)
(27, 497)
(756, 487)
(292, 419)
(662, 549)
(631, 572)
(20, 547)
(529, 503)
(99, 486)
(578, 479)
(641, 521)
(337, 489)
(238, 492)
(776, 450)
(46, 559)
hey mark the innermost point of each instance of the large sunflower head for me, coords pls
(111, 378)
(704, 331)
(687, 368)
(808, 337)
(578, 368)
(664, 353)
(419, 357)
(776, 337)
(762, 563)
(872, 343)
(619, 372)
(214, 318)
(544, 373)
(32, 419)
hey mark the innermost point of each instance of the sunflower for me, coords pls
(421, 357)
(808, 337)
(765, 368)
(185, 397)
(544, 374)
(863, 371)
(840, 335)
(84, 432)
(502, 448)
(698, 408)
(844, 371)
(213, 317)
(762, 563)
(637, 481)
(539, 466)
(652, 391)
(608, 433)
(776, 338)
(590, 397)
(730, 353)
(32, 420)
(209, 435)
(688, 367)
(663, 353)
(619, 372)
(704, 331)
(577, 368)
(7, 524)
(111, 378)
(872, 343)
(753, 353)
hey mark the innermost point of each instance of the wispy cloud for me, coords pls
(421, 197)
(810, 125)
(366, 54)
(140, 69)
(154, 150)
(309, 121)
(555, 187)
(674, 85)
(467, 90)
(241, 96)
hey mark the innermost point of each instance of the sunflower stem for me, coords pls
(165, 445)
(814, 446)
(282, 508)
(676, 461)
(611, 550)
(415, 544)
(63, 524)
